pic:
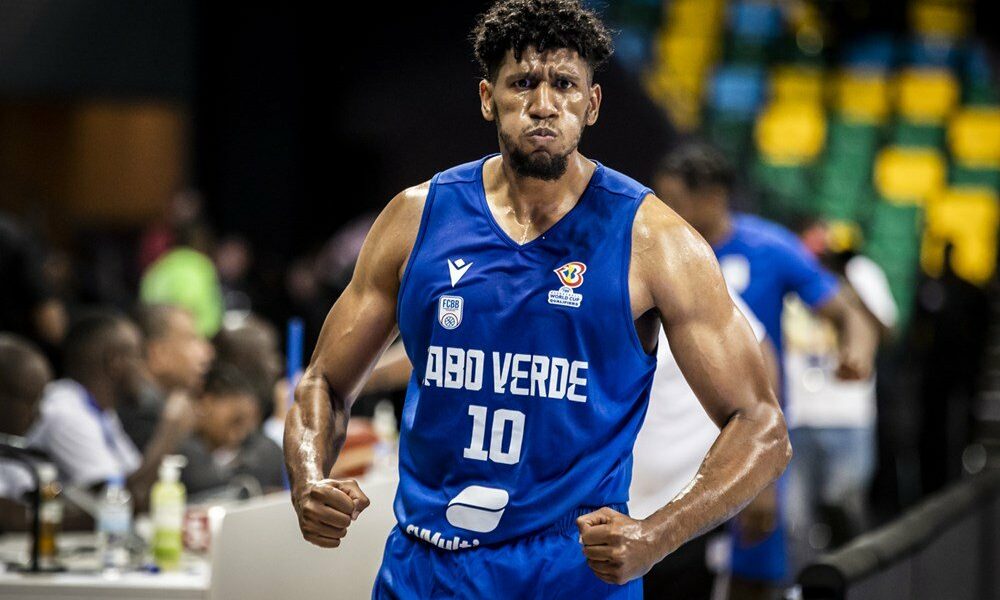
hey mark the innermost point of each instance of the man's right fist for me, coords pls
(326, 508)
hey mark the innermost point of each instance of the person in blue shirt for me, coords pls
(763, 262)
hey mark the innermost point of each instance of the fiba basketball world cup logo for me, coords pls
(450, 311)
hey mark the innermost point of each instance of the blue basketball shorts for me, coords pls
(549, 564)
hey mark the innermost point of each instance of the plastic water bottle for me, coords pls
(114, 523)
(384, 424)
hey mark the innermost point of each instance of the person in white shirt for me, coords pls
(78, 427)
(24, 372)
(671, 445)
(831, 421)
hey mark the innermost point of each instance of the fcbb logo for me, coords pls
(450, 311)
(571, 274)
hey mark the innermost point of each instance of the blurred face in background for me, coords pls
(541, 105)
(19, 402)
(226, 420)
(181, 357)
(124, 364)
(702, 208)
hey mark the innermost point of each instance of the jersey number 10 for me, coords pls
(501, 417)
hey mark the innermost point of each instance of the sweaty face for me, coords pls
(541, 105)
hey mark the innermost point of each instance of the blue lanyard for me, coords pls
(109, 438)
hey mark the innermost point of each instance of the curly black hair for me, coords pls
(517, 24)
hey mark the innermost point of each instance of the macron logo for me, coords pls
(457, 269)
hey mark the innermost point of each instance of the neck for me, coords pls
(536, 200)
(101, 391)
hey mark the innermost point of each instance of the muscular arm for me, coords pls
(357, 330)
(857, 336)
(676, 273)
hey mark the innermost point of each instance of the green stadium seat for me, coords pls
(917, 134)
(969, 176)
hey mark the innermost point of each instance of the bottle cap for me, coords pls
(170, 468)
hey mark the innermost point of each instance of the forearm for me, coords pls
(315, 430)
(752, 450)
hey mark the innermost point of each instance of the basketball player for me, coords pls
(529, 288)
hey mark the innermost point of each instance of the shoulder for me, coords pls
(670, 259)
(660, 231)
(63, 399)
(619, 184)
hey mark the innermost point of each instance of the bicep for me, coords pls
(362, 322)
(719, 356)
(710, 338)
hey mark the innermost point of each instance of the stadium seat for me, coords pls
(933, 52)
(737, 91)
(754, 20)
(730, 133)
(786, 190)
(909, 175)
(792, 83)
(861, 95)
(974, 137)
(875, 52)
(940, 18)
(967, 218)
(926, 95)
(791, 133)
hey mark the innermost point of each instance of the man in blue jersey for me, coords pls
(529, 288)
(763, 262)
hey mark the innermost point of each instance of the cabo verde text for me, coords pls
(516, 374)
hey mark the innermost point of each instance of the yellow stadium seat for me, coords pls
(695, 17)
(797, 84)
(926, 95)
(967, 218)
(974, 137)
(946, 18)
(791, 133)
(906, 175)
(861, 96)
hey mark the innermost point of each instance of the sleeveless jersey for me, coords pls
(529, 381)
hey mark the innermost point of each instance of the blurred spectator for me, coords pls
(832, 421)
(763, 262)
(253, 347)
(28, 304)
(24, 373)
(227, 447)
(79, 426)
(186, 277)
(177, 358)
(183, 214)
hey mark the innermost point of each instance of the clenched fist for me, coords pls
(326, 509)
(618, 548)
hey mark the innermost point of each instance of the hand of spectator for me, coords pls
(178, 412)
(326, 508)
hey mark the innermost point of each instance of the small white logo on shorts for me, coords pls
(450, 311)
(477, 508)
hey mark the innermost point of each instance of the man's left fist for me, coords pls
(618, 548)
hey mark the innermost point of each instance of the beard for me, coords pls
(539, 165)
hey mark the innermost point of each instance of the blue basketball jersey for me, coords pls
(529, 381)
